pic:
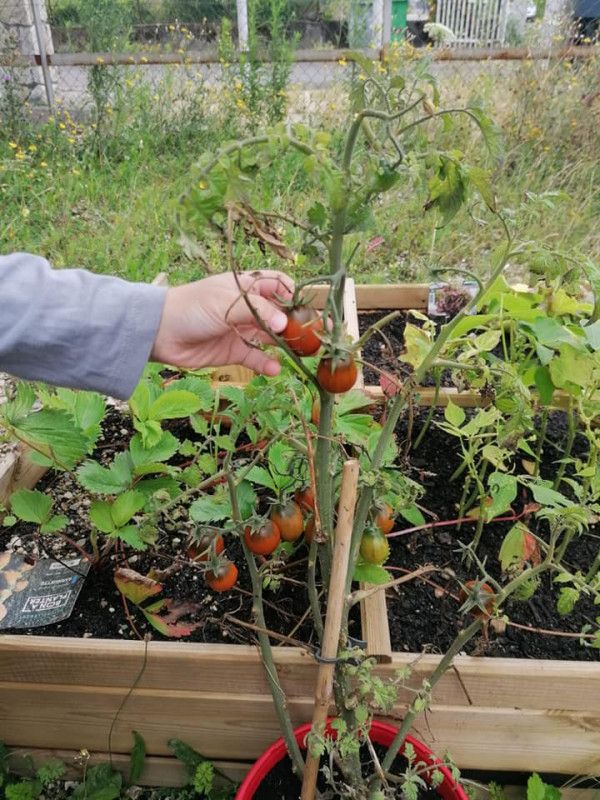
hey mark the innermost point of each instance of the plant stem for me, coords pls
(431, 411)
(457, 645)
(571, 431)
(279, 699)
(593, 570)
(541, 440)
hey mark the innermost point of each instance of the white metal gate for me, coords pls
(475, 23)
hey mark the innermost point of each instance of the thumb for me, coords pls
(270, 314)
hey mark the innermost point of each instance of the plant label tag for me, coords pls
(40, 594)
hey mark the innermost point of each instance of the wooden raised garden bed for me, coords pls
(66, 694)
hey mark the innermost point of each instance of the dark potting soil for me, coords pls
(99, 611)
(282, 784)
(383, 349)
(425, 614)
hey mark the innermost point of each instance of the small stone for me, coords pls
(176, 540)
(103, 603)
(111, 609)
(87, 635)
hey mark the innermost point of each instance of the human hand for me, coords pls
(208, 323)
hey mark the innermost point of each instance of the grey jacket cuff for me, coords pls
(74, 328)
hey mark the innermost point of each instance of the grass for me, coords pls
(105, 198)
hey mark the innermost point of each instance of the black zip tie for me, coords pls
(360, 643)
(323, 660)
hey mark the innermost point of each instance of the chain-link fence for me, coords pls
(79, 52)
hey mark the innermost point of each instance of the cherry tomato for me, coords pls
(288, 518)
(302, 329)
(263, 538)
(224, 578)
(384, 517)
(482, 591)
(200, 546)
(339, 378)
(374, 547)
(305, 499)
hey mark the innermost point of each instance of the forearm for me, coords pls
(74, 328)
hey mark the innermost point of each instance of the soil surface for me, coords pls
(423, 615)
(382, 350)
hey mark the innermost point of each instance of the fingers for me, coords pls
(241, 313)
(261, 362)
(267, 283)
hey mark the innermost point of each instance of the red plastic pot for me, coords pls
(381, 733)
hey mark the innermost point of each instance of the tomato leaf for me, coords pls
(371, 573)
(168, 623)
(454, 414)
(138, 757)
(134, 586)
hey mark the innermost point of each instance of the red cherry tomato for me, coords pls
(337, 378)
(302, 329)
(200, 546)
(374, 547)
(288, 518)
(384, 517)
(305, 499)
(482, 590)
(263, 538)
(224, 577)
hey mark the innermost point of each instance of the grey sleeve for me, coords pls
(73, 328)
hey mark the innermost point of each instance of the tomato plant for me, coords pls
(262, 538)
(337, 375)
(223, 578)
(384, 517)
(302, 330)
(305, 499)
(287, 518)
(374, 547)
(204, 543)
(478, 598)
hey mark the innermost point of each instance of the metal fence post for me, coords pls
(41, 40)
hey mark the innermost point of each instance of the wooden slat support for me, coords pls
(490, 713)
(373, 610)
(401, 296)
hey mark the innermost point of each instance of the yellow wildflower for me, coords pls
(62, 126)
(342, 62)
(71, 140)
(32, 148)
(75, 171)
(144, 60)
(25, 212)
(13, 145)
(99, 60)
(202, 184)
(43, 164)
(20, 155)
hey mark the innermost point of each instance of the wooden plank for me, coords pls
(466, 399)
(106, 663)
(18, 471)
(224, 725)
(501, 682)
(401, 296)
(375, 626)
(237, 726)
(514, 739)
(158, 771)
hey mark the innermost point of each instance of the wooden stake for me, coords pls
(333, 620)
